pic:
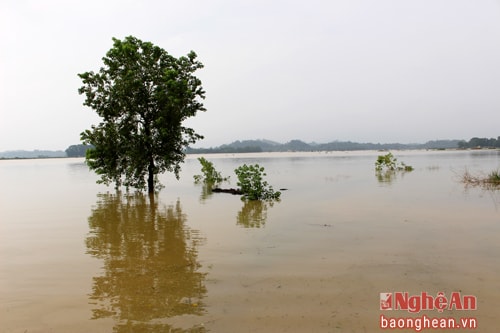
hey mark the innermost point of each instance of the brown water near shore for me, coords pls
(79, 257)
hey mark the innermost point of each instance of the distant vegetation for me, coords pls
(32, 154)
(480, 143)
(256, 146)
(71, 151)
(77, 150)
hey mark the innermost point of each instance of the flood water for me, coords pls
(80, 257)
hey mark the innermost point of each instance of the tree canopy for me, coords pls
(143, 94)
(77, 150)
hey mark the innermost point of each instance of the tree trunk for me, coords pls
(151, 175)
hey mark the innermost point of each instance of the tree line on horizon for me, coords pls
(480, 143)
(257, 146)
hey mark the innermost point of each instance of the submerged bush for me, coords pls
(250, 180)
(252, 183)
(210, 175)
(388, 162)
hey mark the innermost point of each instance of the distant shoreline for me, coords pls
(278, 152)
(263, 145)
(34, 158)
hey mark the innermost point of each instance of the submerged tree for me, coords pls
(143, 95)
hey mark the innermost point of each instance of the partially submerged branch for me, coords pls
(235, 191)
(252, 185)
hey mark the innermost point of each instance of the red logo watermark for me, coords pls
(403, 301)
(424, 322)
(424, 301)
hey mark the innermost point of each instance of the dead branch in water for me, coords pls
(490, 181)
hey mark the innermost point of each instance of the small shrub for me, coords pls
(210, 175)
(252, 183)
(405, 167)
(388, 162)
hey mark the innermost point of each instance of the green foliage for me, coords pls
(143, 95)
(210, 175)
(494, 177)
(252, 183)
(388, 162)
(77, 150)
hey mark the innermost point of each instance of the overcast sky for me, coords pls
(360, 70)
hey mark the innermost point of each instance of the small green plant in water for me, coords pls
(494, 177)
(388, 162)
(252, 184)
(210, 175)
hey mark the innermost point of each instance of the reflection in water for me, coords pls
(253, 214)
(389, 176)
(150, 264)
(385, 176)
(206, 192)
(491, 191)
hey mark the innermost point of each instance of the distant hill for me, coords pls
(263, 145)
(72, 151)
(32, 154)
(253, 146)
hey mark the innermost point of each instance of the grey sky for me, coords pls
(359, 70)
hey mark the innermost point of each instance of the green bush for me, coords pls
(388, 162)
(252, 184)
(210, 175)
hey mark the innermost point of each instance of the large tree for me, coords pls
(143, 95)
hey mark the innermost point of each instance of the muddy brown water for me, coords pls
(79, 257)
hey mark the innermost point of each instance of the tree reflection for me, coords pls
(389, 176)
(386, 176)
(253, 214)
(206, 192)
(150, 264)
